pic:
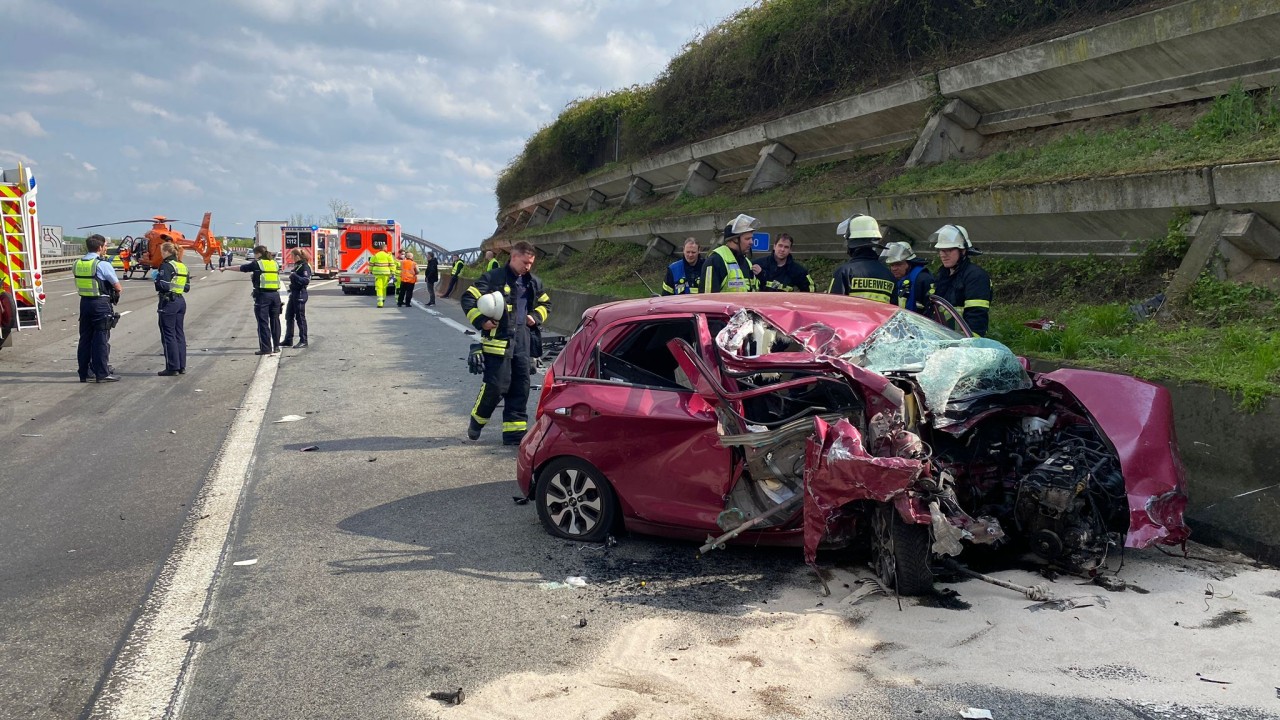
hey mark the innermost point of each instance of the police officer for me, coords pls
(779, 272)
(295, 311)
(505, 341)
(491, 261)
(914, 281)
(863, 275)
(95, 283)
(684, 276)
(965, 285)
(455, 273)
(172, 283)
(728, 269)
(266, 299)
(382, 265)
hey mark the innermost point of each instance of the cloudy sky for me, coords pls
(261, 109)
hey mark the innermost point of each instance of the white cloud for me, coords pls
(12, 157)
(88, 167)
(145, 108)
(471, 166)
(22, 123)
(85, 196)
(57, 82)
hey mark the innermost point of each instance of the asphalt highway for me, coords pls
(312, 536)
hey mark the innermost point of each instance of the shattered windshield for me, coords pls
(948, 366)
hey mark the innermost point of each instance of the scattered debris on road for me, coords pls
(976, 714)
(310, 448)
(453, 698)
(289, 418)
(1071, 603)
(254, 561)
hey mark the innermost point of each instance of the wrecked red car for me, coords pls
(819, 420)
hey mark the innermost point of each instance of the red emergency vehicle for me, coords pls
(361, 238)
(21, 278)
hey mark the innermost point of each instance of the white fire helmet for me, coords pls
(950, 236)
(740, 226)
(896, 252)
(491, 305)
(858, 226)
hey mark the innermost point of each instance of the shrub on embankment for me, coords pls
(780, 56)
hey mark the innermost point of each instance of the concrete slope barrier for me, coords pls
(1188, 51)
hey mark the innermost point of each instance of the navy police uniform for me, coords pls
(266, 303)
(173, 281)
(95, 283)
(295, 310)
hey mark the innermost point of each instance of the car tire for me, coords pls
(575, 501)
(901, 552)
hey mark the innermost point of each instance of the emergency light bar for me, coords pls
(365, 221)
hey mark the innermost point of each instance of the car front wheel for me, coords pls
(575, 501)
(901, 552)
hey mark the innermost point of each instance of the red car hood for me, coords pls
(1137, 417)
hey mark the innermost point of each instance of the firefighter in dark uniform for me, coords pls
(965, 285)
(98, 285)
(684, 276)
(779, 272)
(505, 342)
(295, 311)
(863, 276)
(266, 299)
(173, 281)
(728, 268)
(915, 282)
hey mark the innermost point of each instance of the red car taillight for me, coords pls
(546, 390)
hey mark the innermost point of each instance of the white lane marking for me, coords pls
(126, 312)
(451, 323)
(70, 294)
(149, 679)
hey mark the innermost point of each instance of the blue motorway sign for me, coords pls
(760, 242)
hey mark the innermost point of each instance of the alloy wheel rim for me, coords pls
(574, 502)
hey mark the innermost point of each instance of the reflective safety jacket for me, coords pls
(408, 271)
(792, 277)
(268, 275)
(493, 264)
(87, 285)
(864, 276)
(382, 263)
(968, 288)
(457, 267)
(498, 340)
(915, 288)
(727, 271)
(683, 278)
(117, 262)
(173, 277)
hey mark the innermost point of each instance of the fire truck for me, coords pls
(320, 243)
(361, 238)
(21, 279)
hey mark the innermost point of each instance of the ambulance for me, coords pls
(21, 279)
(320, 243)
(360, 239)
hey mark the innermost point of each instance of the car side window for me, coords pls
(637, 353)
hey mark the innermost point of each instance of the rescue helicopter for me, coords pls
(143, 252)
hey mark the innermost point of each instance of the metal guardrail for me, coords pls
(58, 264)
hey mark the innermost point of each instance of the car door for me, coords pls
(627, 413)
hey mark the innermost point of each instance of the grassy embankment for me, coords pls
(1228, 336)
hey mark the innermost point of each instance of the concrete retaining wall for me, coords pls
(1191, 50)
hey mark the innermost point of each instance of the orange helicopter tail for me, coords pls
(206, 244)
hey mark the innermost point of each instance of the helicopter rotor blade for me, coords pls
(122, 222)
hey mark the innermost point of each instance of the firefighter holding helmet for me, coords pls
(914, 281)
(507, 305)
(863, 275)
(965, 285)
